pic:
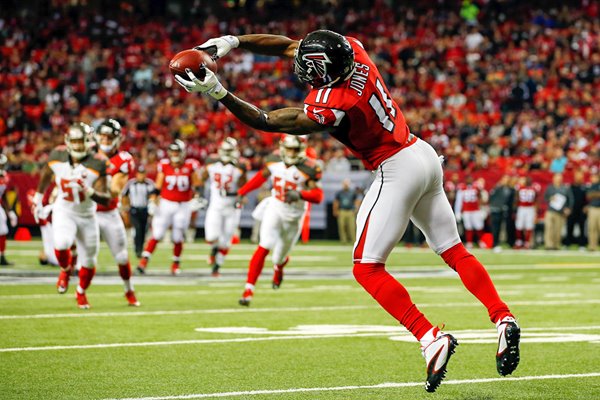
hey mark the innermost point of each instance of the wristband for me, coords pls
(218, 92)
(232, 40)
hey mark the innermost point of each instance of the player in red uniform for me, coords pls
(527, 195)
(176, 183)
(5, 213)
(350, 101)
(112, 229)
(469, 198)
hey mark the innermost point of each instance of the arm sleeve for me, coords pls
(257, 181)
(314, 195)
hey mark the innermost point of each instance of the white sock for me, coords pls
(128, 285)
(250, 286)
(428, 337)
(80, 290)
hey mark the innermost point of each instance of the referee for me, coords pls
(135, 198)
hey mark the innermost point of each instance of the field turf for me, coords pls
(320, 336)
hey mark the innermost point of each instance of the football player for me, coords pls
(527, 195)
(121, 167)
(467, 208)
(6, 214)
(44, 219)
(295, 183)
(226, 173)
(176, 183)
(349, 100)
(80, 176)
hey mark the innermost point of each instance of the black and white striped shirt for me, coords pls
(138, 192)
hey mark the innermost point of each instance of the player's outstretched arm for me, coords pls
(272, 45)
(291, 120)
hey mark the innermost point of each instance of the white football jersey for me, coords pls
(285, 178)
(224, 178)
(66, 175)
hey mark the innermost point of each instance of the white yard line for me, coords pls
(386, 385)
(84, 314)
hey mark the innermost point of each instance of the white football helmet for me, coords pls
(79, 140)
(228, 150)
(292, 149)
(110, 128)
(176, 151)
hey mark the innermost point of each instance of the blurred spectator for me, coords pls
(577, 216)
(501, 199)
(559, 200)
(468, 208)
(345, 205)
(338, 163)
(593, 212)
(559, 162)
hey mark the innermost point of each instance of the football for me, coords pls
(191, 59)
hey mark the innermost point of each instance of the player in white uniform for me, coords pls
(112, 229)
(5, 213)
(226, 173)
(80, 176)
(295, 181)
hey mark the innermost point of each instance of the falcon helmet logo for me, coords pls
(316, 62)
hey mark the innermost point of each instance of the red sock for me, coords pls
(85, 276)
(392, 296)
(476, 280)
(519, 235)
(223, 251)
(256, 264)
(479, 234)
(125, 271)
(63, 257)
(177, 249)
(151, 245)
(469, 236)
(528, 236)
(2, 243)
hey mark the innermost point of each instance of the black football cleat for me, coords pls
(4, 261)
(509, 337)
(215, 270)
(437, 355)
(246, 298)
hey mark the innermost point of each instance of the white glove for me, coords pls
(80, 185)
(12, 217)
(152, 206)
(442, 159)
(458, 217)
(198, 203)
(210, 85)
(218, 47)
(37, 209)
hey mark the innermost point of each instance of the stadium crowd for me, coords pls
(503, 86)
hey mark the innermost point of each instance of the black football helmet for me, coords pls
(324, 58)
(111, 128)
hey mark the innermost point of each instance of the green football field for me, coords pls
(320, 336)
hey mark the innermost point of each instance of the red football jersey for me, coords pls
(177, 185)
(123, 163)
(470, 197)
(377, 129)
(527, 195)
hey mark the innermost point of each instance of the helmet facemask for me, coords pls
(79, 140)
(292, 149)
(109, 136)
(176, 152)
(228, 151)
